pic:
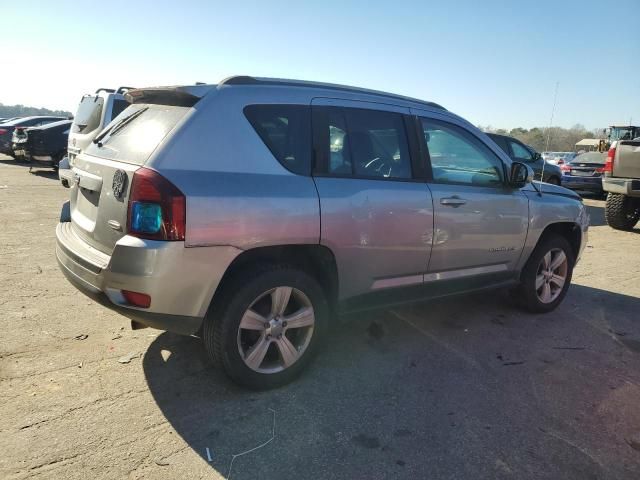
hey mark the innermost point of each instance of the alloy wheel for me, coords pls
(275, 330)
(551, 275)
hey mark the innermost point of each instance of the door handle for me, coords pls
(453, 201)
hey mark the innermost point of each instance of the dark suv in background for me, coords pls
(520, 152)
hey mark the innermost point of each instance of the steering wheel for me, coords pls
(379, 166)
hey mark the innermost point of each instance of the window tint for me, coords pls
(520, 152)
(286, 131)
(458, 157)
(502, 143)
(118, 107)
(367, 143)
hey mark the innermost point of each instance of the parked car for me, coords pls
(200, 211)
(95, 112)
(520, 152)
(18, 142)
(47, 145)
(622, 182)
(584, 172)
(560, 158)
(7, 128)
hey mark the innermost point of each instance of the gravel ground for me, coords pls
(462, 388)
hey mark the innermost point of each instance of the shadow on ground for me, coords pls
(460, 388)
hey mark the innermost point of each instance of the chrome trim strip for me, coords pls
(465, 272)
(396, 282)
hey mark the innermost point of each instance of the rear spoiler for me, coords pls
(186, 96)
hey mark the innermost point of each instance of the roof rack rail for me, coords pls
(248, 80)
(124, 89)
(108, 90)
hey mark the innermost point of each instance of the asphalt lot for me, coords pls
(466, 388)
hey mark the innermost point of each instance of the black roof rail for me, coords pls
(124, 89)
(108, 90)
(248, 80)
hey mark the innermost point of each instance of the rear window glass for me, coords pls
(87, 118)
(118, 107)
(135, 141)
(286, 131)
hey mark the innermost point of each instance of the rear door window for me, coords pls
(286, 131)
(520, 152)
(364, 143)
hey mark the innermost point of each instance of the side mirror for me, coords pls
(521, 174)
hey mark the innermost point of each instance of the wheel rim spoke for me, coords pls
(280, 299)
(302, 318)
(546, 293)
(558, 261)
(539, 281)
(252, 321)
(546, 260)
(288, 352)
(557, 280)
(257, 353)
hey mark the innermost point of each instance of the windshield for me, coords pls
(134, 134)
(623, 133)
(88, 116)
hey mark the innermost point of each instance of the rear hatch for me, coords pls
(627, 159)
(103, 172)
(587, 165)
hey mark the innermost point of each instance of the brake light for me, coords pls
(599, 170)
(157, 209)
(565, 168)
(3, 131)
(608, 164)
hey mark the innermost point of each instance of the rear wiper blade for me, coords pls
(118, 126)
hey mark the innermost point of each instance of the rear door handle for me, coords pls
(453, 201)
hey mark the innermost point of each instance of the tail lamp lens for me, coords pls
(157, 209)
(137, 299)
(608, 164)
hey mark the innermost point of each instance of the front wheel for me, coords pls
(546, 277)
(265, 330)
(621, 212)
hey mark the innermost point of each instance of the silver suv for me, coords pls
(255, 211)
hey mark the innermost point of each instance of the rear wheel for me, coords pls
(546, 277)
(621, 212)
(265, 330)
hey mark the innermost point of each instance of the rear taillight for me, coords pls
(156, 207)
(3, 131)
(137, 299)
(608, 165)
(565, 168)
(599, 170)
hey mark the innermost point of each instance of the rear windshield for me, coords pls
(591, 157)
(135, 141)
(87, 117)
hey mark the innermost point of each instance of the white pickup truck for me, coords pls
(622, 182)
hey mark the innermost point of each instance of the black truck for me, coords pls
(46, 145)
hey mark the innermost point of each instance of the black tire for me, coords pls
(553, 181)
(220, 330)
(621, 212)
(526, 292)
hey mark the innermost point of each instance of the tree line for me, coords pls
(8, 111)
(560, 139)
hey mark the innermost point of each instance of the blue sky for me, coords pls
(495, 63)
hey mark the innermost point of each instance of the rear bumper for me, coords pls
(625, 186)
(180, 281)
(593, 184)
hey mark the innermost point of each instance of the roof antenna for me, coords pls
(546, 149)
